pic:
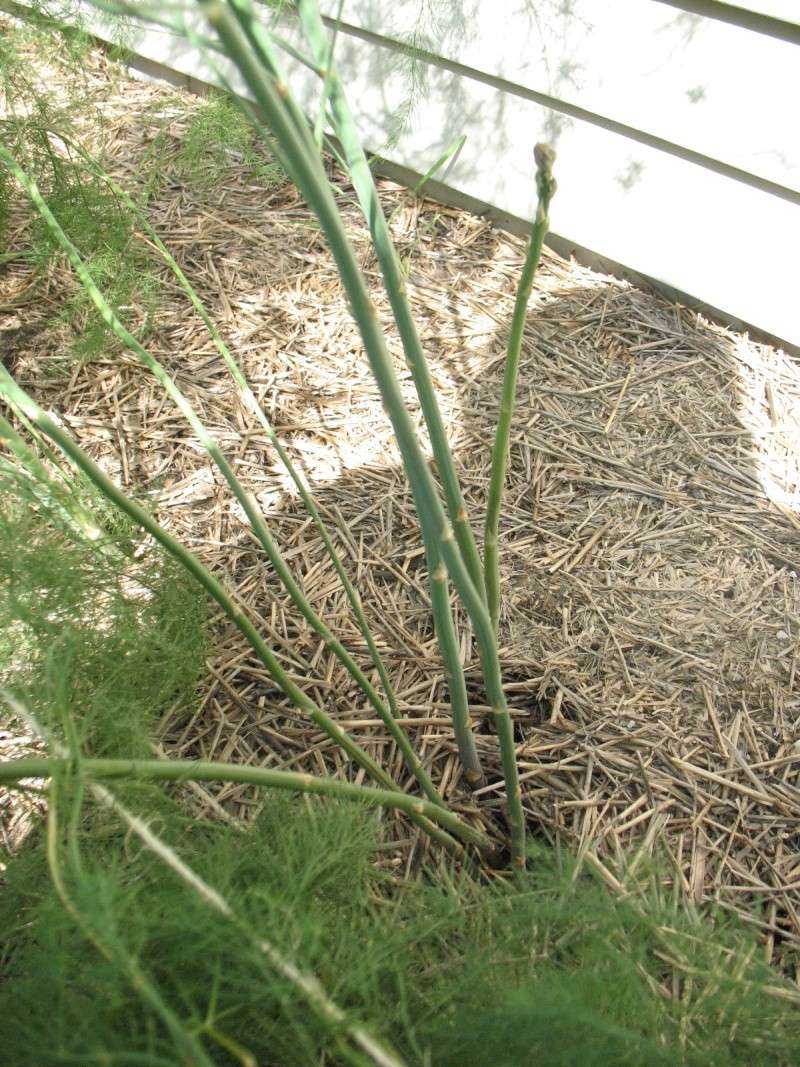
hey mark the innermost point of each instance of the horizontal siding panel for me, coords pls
(777, 9)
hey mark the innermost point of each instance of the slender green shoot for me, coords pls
(10, 391)
(246, 499)
(305, 166)
(177, 770)
(546, 187)
(449, 153)
(357, 166)
(454, 672)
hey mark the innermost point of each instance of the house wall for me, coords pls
(677, 133)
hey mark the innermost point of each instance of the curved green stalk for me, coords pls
(546, 187)
(214, 588)
(308, 173)
(357, 167)
(251, 402)
(246, 500)
(456, 683)
(179, 770)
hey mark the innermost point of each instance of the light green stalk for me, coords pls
(355, 163)
(251, 402)
(454, 671)
(53, 457)
(305, 168)
(246, 499)
(546, 187)
(71, 509)
(205, 771)
(10, 390)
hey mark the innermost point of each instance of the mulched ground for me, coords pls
(650, 538)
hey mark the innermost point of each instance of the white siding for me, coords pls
(728, 93)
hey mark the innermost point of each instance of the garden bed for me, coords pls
(650, 536)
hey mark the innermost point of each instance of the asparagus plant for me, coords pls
(494, 1014)
(300, 157)
(176, 770)
(234, 32)
(546, 187)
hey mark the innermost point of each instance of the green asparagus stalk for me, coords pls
(454, 671)
(177, 770)
(355, 162)
(305, 167)
(546, 187)
(245, 499)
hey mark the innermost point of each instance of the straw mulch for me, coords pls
(651, 533)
